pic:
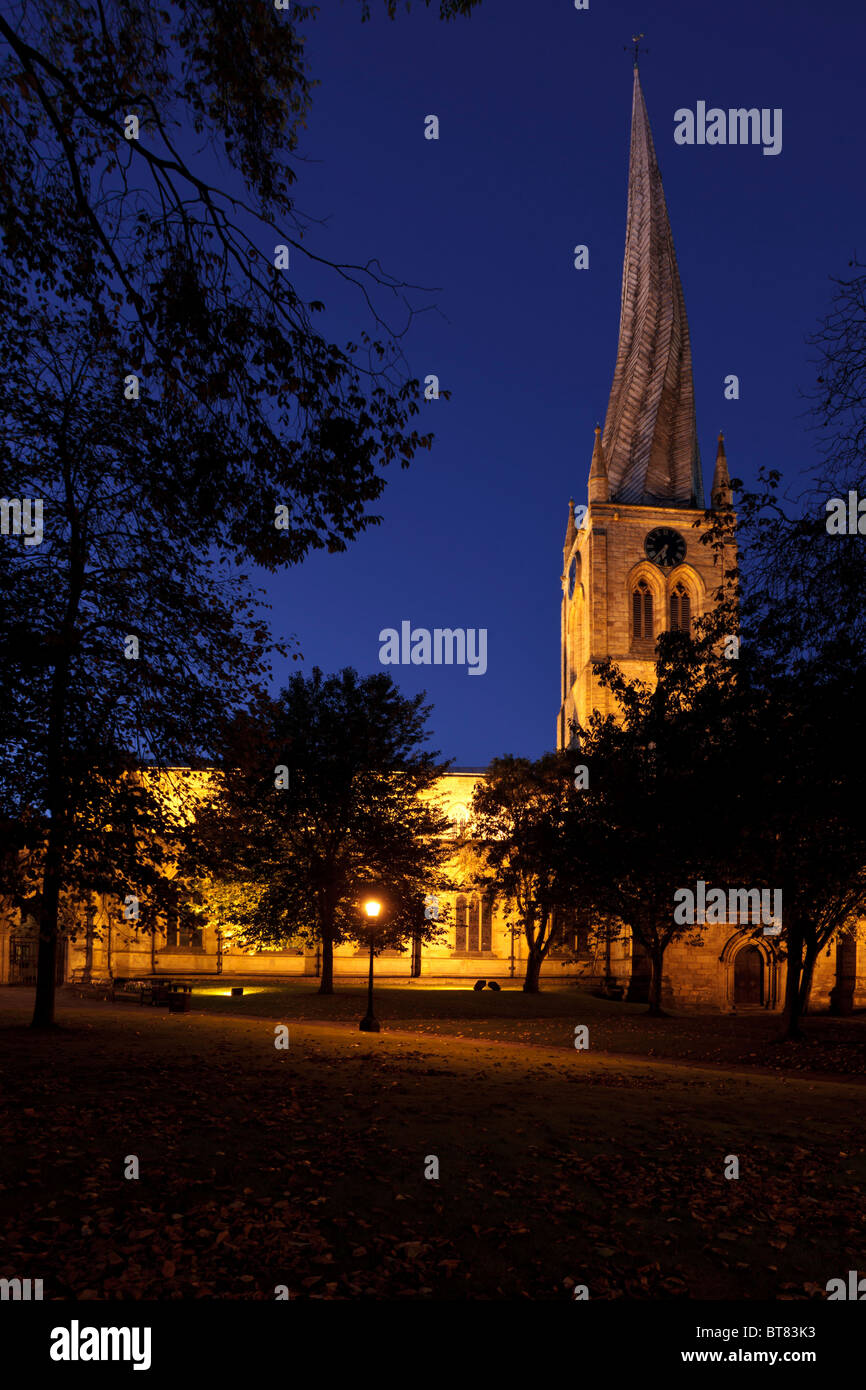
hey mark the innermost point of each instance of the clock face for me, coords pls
(665, 547)
(572, 575)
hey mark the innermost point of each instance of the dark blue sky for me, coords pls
(534, 103)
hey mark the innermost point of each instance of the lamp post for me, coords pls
(372, 909)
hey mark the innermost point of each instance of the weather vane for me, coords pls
(636, 38)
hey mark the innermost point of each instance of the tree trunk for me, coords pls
(52, 879)
(88, 948)
(657, 960)
(46, 959)
(58, 796)
(326, 931)
(806, 980)
(792, 1009)
(533, 972)
(327, 984)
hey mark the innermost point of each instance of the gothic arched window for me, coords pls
(486, 923)
(642, 612)
(681, 610)
(460, 931)
(474, 924)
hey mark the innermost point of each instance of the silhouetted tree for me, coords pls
(124, 638)
(323, 794)
(167, 399)
(650, 821)
(520, 816)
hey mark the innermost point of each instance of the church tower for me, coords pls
(634, 566)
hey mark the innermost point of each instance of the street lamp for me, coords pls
(372, 910)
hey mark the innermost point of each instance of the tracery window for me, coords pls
(474, 924)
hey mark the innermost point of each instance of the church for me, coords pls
(632, 568)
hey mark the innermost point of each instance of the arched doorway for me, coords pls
(749, 976)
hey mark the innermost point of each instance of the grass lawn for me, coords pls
(834, 1045)
(306, 1167)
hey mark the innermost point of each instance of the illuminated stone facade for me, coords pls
(476, 941)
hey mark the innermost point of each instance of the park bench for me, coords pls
(171, 993)
(93, 989)
(129, 991)
(162, 992)
(144, 992)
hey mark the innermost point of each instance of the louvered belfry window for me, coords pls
(642, 612)
(681, 610)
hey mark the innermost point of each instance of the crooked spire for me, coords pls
(650, 439)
